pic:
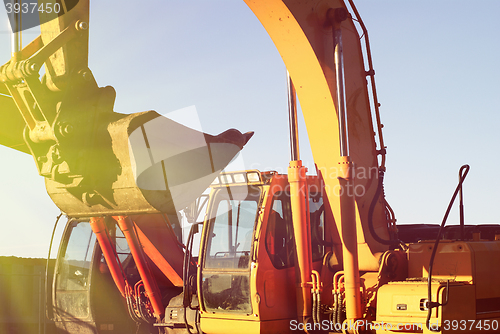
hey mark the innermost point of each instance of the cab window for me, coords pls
(226, 268)
(279, 239)
(73, 279)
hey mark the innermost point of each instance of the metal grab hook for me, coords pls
(445, 302)
(464, 170)
(430, 304)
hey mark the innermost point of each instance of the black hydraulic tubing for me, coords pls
(371, 73)
(197, 322)
(462, 219)
(464, 170)
(372, 209)
(186, 322)
(382, 152)
(390, 212)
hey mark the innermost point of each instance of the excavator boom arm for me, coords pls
(304, 34)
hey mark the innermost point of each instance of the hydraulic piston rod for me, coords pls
(292, 119)
(299, 198)
(347, 201)
(15, 37)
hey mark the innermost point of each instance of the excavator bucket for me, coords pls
(145, 163)
(171, 160)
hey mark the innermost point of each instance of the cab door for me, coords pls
(226, 257)
(276, 279)
(247, 278)
(71, 286)
(85, 299)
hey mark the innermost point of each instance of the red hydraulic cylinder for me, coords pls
(349, 244)
(98, 226)
(158, 259)
(299, 198)
(152, 290)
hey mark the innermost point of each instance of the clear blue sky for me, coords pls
(437, 76)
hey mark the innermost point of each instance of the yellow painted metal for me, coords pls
(73, 56)
(400, 309)
(454, 260)
(303, 34)
(465, 261)
(398, 303)
(63, 47)
(303, 37)
(486, 269)
(474, 293)
(229, 326)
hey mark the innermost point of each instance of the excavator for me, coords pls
(278, 253)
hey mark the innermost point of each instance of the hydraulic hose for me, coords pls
(464, 170)
(374, 234)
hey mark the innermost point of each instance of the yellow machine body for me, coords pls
(278, 253)
(472, 303)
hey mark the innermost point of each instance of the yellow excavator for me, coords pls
(277, 253)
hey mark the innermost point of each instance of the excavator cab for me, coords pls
(85, 297)
(247, 257)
